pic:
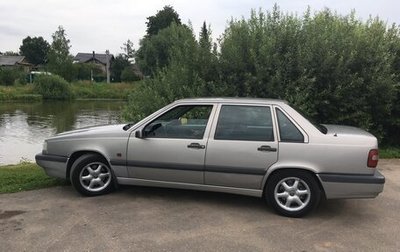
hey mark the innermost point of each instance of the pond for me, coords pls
(24, 126)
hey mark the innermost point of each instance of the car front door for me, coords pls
(172, 147)
(241, 147)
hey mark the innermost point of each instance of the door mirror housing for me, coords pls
(139, 134)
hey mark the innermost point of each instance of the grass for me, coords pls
(88, 90)
(389, 152)
(80, 89)
(19, 93)
(25, 176)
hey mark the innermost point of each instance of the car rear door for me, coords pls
(241, 147)
(173, 146)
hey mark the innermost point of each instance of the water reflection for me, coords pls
(23, 127)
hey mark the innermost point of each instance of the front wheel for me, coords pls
(292, 193)
(91, 175)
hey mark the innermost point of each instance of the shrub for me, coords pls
(52, 87)
(8, 76)
(129, 75)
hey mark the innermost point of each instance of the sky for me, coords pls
(98, 25)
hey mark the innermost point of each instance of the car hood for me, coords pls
(95, 131)
(341, 130)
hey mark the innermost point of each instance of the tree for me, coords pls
(10, 53)
(154, 52)
(162, 20)
(207, 61)
(129, 51)
(35, 50)
(60, 61)
(119, 63)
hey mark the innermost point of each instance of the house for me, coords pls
(15, 62)
(95, 58)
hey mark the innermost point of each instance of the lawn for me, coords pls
(80, 89)
(25, 176)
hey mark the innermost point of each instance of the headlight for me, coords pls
(44, 150)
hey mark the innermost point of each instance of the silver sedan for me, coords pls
(255, 147)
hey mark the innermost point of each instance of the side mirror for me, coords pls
(139, 134)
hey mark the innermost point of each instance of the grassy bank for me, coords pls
(25, 176)
(19, 94)
(88, 90)
(81, 90)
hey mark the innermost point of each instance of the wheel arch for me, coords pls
(310, 171)
(77, 154)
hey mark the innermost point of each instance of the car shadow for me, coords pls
(193, 196)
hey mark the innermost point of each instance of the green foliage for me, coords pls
(129, 51)
(59, 59)
(334, 68)
(52, 87)
(85, 71)
(7, 77)
(155, 51)
(129, 74)
(35, 50)
(162, 20)
(18, 93)
(89, 90)
(389, 152)
(117, 66)
(25, 176)
(177, 80)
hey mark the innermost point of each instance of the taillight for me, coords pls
(373, 157)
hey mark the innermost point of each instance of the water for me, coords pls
(24, 126)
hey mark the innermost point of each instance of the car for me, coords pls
(248, 146)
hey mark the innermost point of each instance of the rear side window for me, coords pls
(247, 123)
(287, 130)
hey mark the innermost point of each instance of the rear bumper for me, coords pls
(340, 186)
(54, 166)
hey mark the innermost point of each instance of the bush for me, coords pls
(8, 76)
(129, 75)
(52, 87)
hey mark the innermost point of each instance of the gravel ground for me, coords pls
(156, 219)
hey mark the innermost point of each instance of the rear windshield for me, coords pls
(320, 127)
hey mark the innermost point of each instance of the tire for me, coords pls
(91, 175)
(292, 193)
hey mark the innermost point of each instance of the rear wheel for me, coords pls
(91, 175)
(292, 193)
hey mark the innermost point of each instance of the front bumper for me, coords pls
(54, 166)
(341, 186)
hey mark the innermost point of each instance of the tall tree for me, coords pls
(34, 49)
(60, 61)
(129, 51)
(207, 58)
(162, 20)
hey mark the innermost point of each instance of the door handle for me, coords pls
(266, 148)
(196, 146)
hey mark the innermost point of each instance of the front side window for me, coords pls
(247, 123)
(186, 122)
(287, 130)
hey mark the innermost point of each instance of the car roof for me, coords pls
(239, 100)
